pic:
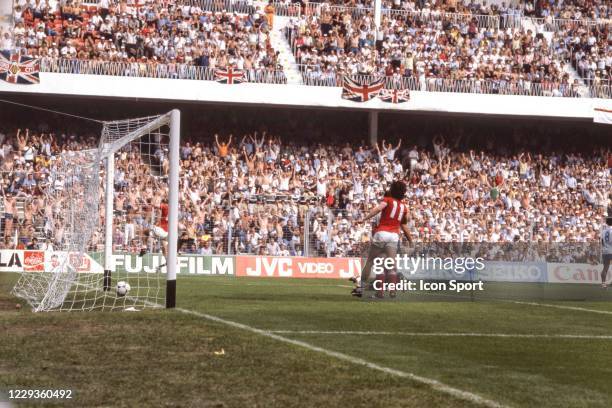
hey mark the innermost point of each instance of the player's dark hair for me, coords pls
(609, 221)
(398, 190)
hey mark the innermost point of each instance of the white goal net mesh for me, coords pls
(70, 197)
(84, 265)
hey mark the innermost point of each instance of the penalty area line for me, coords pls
(434, 384)
(437, 334)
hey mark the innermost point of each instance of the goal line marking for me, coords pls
(438, 334)
(581, 309)
(434, 384)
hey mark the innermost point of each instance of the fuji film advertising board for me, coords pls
(187, 264)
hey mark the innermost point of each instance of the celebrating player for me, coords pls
(386, 235)
(606, 249)
(159, 231)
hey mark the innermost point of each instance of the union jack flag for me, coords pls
(17, 69)
(395, 95)
(356, 92)
(229, 76)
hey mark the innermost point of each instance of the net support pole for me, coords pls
(108, 215)
(306, 234)
(330, 220)
(173, 207)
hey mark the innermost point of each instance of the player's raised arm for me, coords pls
(375, 211)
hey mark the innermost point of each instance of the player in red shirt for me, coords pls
(160, 231)
(386, 236)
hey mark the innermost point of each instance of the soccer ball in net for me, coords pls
(122, 288)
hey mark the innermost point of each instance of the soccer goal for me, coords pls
(111, 222)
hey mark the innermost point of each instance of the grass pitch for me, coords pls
(514, 354)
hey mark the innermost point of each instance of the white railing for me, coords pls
(230, 6)
(482, 21)
(553, 24)
(287, 9)
(282, 9)
(318, 8)
(151, 70)
(600, 89)
(313, 76)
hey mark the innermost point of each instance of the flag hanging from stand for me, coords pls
(17, 69)
(230, 76)
(356, 92)
(395, 95)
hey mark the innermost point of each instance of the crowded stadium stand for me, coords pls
(295, 188)
(260, 191)
(523, 48)
(433, 49)
(155, 37)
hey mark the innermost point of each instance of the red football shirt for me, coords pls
(391, 217)
(163, 222)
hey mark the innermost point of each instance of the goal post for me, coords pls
(108, 216)
(173, 204)
(111, 144)
(105, 258)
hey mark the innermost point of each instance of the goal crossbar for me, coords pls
(109, 148)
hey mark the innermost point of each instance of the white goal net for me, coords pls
(107, 222)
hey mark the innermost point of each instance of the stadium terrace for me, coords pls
(446, 48)
(267, 194)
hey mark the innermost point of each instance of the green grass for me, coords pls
(168, 358)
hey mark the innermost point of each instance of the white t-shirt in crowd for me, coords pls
(606, 240)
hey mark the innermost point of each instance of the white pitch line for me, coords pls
(437, 334)
(581, 309)
(295, 285)
(434, 384)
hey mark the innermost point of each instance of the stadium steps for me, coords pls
(567, 67)
(285, 57)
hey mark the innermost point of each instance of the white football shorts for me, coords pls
(159, 232)
(385, 239)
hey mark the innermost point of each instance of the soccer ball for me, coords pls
(122, 288)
